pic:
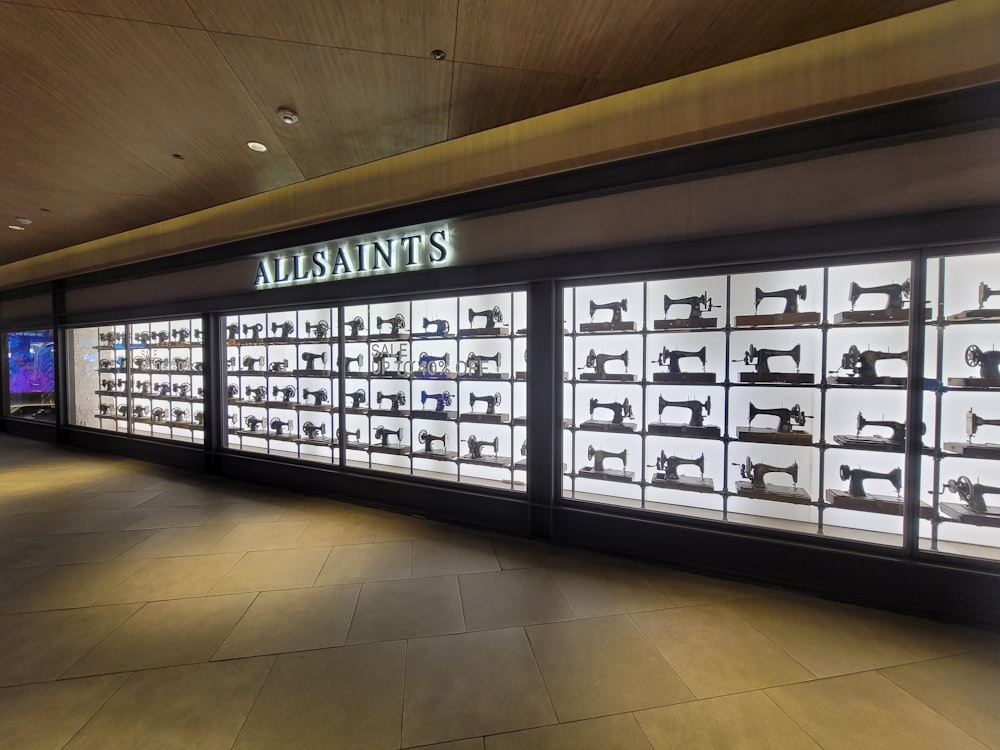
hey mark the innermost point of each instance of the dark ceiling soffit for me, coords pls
(966, 110)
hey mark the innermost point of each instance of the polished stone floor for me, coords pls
(144, 608)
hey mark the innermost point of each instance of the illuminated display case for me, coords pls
(775, 399)
(431, 387)
(31, 381)
(960, 477)
(140, 378)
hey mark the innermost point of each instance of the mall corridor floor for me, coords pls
(147, 608)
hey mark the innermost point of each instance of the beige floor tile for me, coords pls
(826, 638)
(511, 597)
(74, 521)
(69, 549)
(596, 591)
(619, 732)
(126, 481)
(749, 721)
(295, 620)
(475, 743)
(274, 569)
(867, 711)
(14, 578)
(389, 610)
(177, 517)
(349, 697)
(715, 651)
(963, 689)
(174, 496)
(360, 563)
(439, 557)
(687, 589)
(68, 586)
(165, 634)
(468, 685)
(40, 646)
(397, 528)
(603, 666)
(513, 554)
(171, 578)
(178, 542)
(109, 500)
(48, 714)
(349, 529)
(248, 512)
(198, 706)
(252, 537)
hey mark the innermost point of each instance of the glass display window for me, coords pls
(31, 374)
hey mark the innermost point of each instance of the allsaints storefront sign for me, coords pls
(410, 250)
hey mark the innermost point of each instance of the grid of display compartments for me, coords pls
(776, 399)
(960, 474)
(282, 392)
(432, 387)
(142, 378)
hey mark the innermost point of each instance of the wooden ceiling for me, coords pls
(96, 96)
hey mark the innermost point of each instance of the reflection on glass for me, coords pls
(31, 375)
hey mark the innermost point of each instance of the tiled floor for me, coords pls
(144, 608)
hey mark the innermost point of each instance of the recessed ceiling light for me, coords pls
(15, 226)
(255, 146)
(437, 54)
(288, 116)
(22, 220)
(177, 156)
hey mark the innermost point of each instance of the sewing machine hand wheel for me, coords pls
(961, 486)
(973, 355)
(496, 313)
(496, 399)
(845, 472)
(422, 435)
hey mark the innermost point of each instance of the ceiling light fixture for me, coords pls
(177, 156)
(288, 116)
(22, 220)
(437, 54)
(15, 226)
(256, 146)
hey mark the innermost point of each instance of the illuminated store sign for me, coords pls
(405, 250)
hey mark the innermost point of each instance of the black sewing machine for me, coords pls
(314, 433)
(319, 396)
(344, 436)
(396, 325)
(311, 370)
(597, 363)
(896, 298)
(490, 317)
(760, 360)
(433, 328)
(250, 364)
(671, 358)
(382, 444)
(287, 393)
(429, 451)
(668, 477)
(159, 414)
(784, 434)
(861, 368)
(320, 330)
(988, 363)
(694, 427)
(475, 367)
(790, 314)
(256, 394)
(441, 400)
(754, 483)
(181, 335)
(381, 359)
(358, 400)
(396, 400)
(620, 411)
(615, 324)
(356, 324)
(975, 509)
(278, 366)
(180, 416)
(181, 389)
(975, 450)
(345, 366)
(476, 455)
(233, 332)
(253, 330)
(599, 471)
(696, 306)
(982, 312)
(858, 498)
(142, 337)
(896, 442)
(281, 332)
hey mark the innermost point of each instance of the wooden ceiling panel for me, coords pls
(173, 12)
(354, 107)
(401, 27)
(644, 41)
(486, 97)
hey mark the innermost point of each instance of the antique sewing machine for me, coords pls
(279, 427)
(232, 390)
(287, 393)
(620, 411)
(182, 335)
(695, 426)
(760, 359)
(231, 363)
(123, 411)
(668, 477)
(343, 436)
(257, 394)
(180, 415)
(476, 447)
(280, 366)
(973, 495)
(397, 399)
(784, 434)
(790, 296)
(491, 402)
(598, 470)
(491, 316)
(140, 387)
(318, 330)
(113, 386)
(430, 366)
(233, 332)
(181, 389)
(441, 400)
(896, 296)
(491, 415)
(142, 337)
(319, 396)
(314, 433)
(139, 411)
(251, 363)
(358, 398)
(163, 389)
(253, 330)
(982, 312)
(162, 338)
(356, 324)
(438, 327)
(159, 414)
(109, 338)
(382, 434)
(672, 358)
(310, 358)
(140, 363)
(758, 487)
(286, 328)
(895, 442)
(359, 360)
(975, 450)
(103, 410)
(428, 440)
(988, 363)
(615, 324)
(474, 366)
(861, 368)
(857, 498)
(199, 418)
(234, 421)
(597, 363)
(396, 323)
(696, 305)
(253, 423)
(380, 361)
(790, 314)
(106, 364)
